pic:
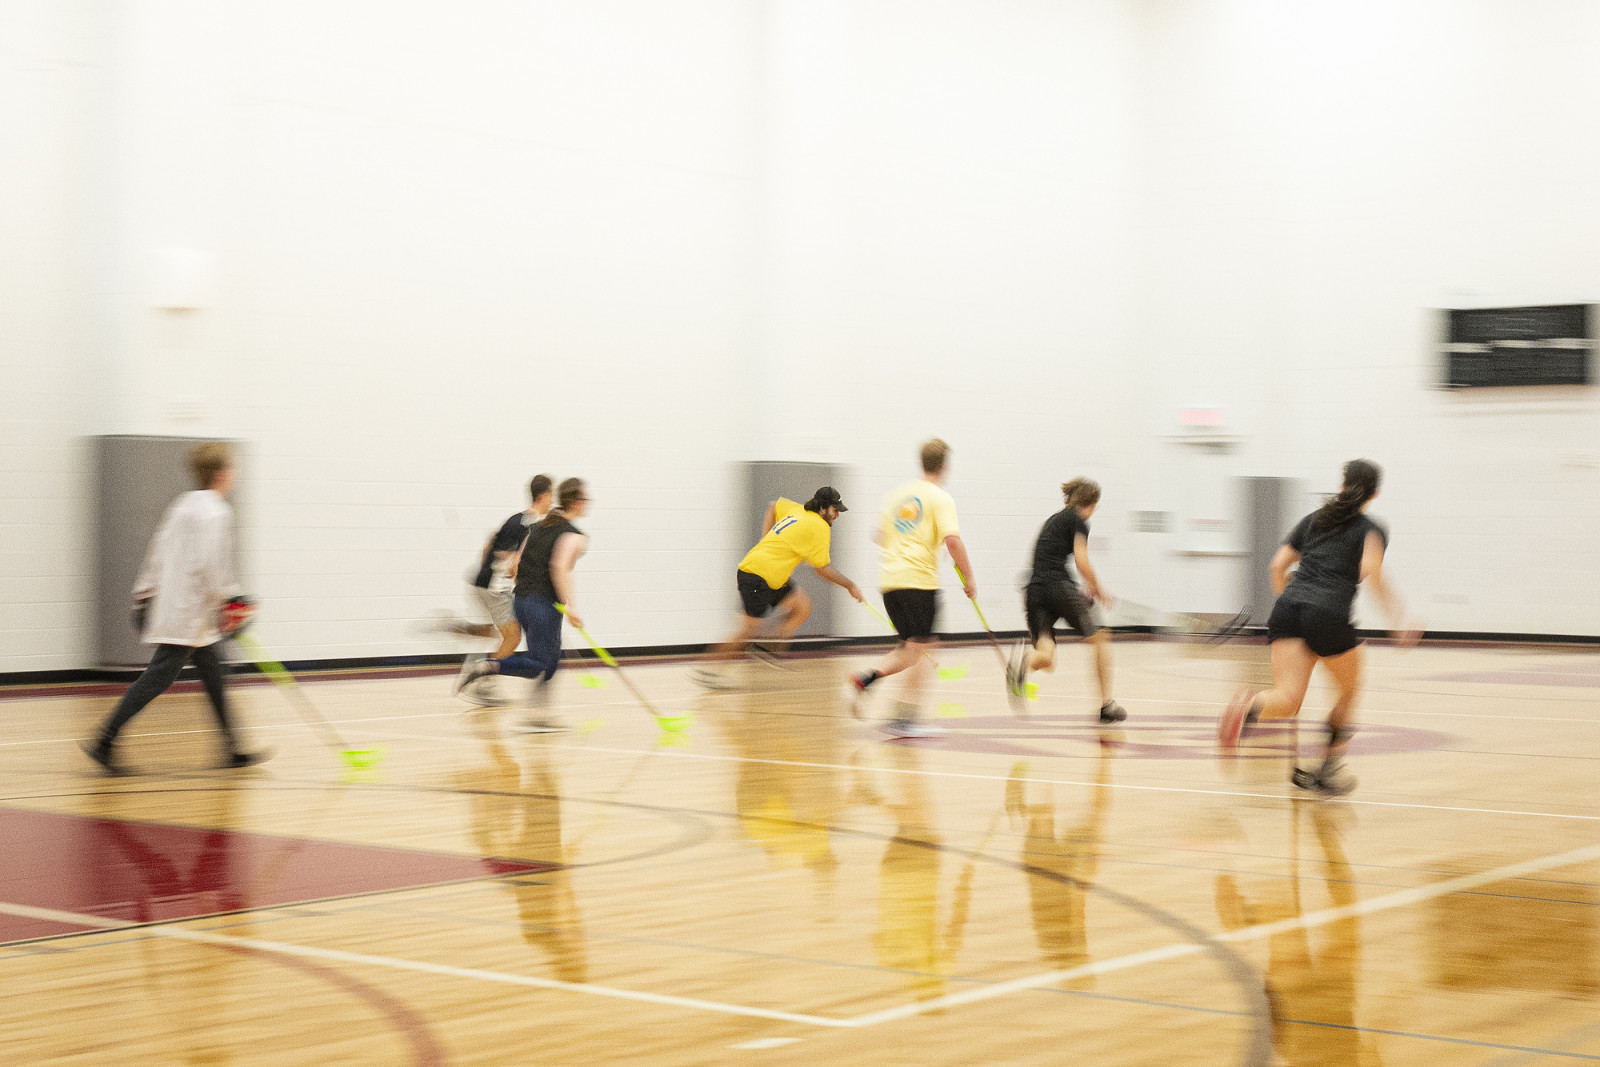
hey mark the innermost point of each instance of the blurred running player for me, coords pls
(1336, 548)
(189, 575)
(792, 534)
(1053, 595)
(918, 519)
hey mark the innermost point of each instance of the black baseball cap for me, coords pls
(828, 497)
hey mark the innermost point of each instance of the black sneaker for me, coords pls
(1329, 780)
(106, 758)
(1111, 712)
(240, 760)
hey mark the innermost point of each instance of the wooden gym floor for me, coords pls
(785, 885)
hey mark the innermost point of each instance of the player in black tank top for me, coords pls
(544, 579)
(1337, 548)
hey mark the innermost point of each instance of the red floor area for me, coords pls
(144, 872)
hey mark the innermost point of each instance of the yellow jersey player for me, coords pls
(918, 519)
(792, 534)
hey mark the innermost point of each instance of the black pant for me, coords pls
(157, 678)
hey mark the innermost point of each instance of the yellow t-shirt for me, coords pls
(916, 519)
(797, 536)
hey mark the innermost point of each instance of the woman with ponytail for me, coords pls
(544, 580)
(1336, 548)
(1053, 596)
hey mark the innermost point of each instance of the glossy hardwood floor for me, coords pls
(784, 884)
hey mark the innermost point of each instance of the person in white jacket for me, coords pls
(188, 574)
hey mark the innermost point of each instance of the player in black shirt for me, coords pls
(490, 585)
(544, 579)
(1053, 595)
(1337, 548)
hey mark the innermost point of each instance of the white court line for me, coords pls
(1007, 778)
(178, 933)
(1399, 899)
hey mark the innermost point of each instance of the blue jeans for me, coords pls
(541, 625)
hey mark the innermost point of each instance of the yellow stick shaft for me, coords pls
(610, 661)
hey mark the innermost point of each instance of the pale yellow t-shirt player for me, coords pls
(917, 517)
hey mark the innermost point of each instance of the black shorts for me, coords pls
(1046, 602)
(912, 611)
(1326, 631)
(759, 597)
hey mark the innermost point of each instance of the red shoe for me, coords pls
(1232, 722)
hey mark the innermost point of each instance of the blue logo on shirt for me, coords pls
(784, 524)
(908, 515)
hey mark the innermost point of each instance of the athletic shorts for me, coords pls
(759, 597)
(1326, 631)
(497, 603)
(912, 611)
(1047, 602)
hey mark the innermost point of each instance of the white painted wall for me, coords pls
(51, 63)
(641, 242)
(1321, 174)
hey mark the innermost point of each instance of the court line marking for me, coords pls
(718, 757)
(179, 933)
(1323, 917)
(1400, 899)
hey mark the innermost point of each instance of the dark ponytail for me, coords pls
(1361, 480)
(1081, 492)
(568, 493)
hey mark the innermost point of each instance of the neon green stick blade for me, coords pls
(950, 711)
(362, 757)
(673, 724)
(953, 674)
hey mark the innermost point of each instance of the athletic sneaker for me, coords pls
(1329, 780)
(247, 759)
(911, 728)
(1111, 712)
(710, 679)
(106, 758)
(537, 725)
(1232, 722)
(1017, 679)
(768, 658)
(1017, 670)
(472, 669)
(486, 693)
(860, 682)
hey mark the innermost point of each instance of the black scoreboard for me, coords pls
(1547, 345)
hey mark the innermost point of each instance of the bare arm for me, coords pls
(1408, 633)
(565, 556)
(769, 518)
(1091, 581)
(827, 572)
(1283, 561)
(958, 556)
(516, 557)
